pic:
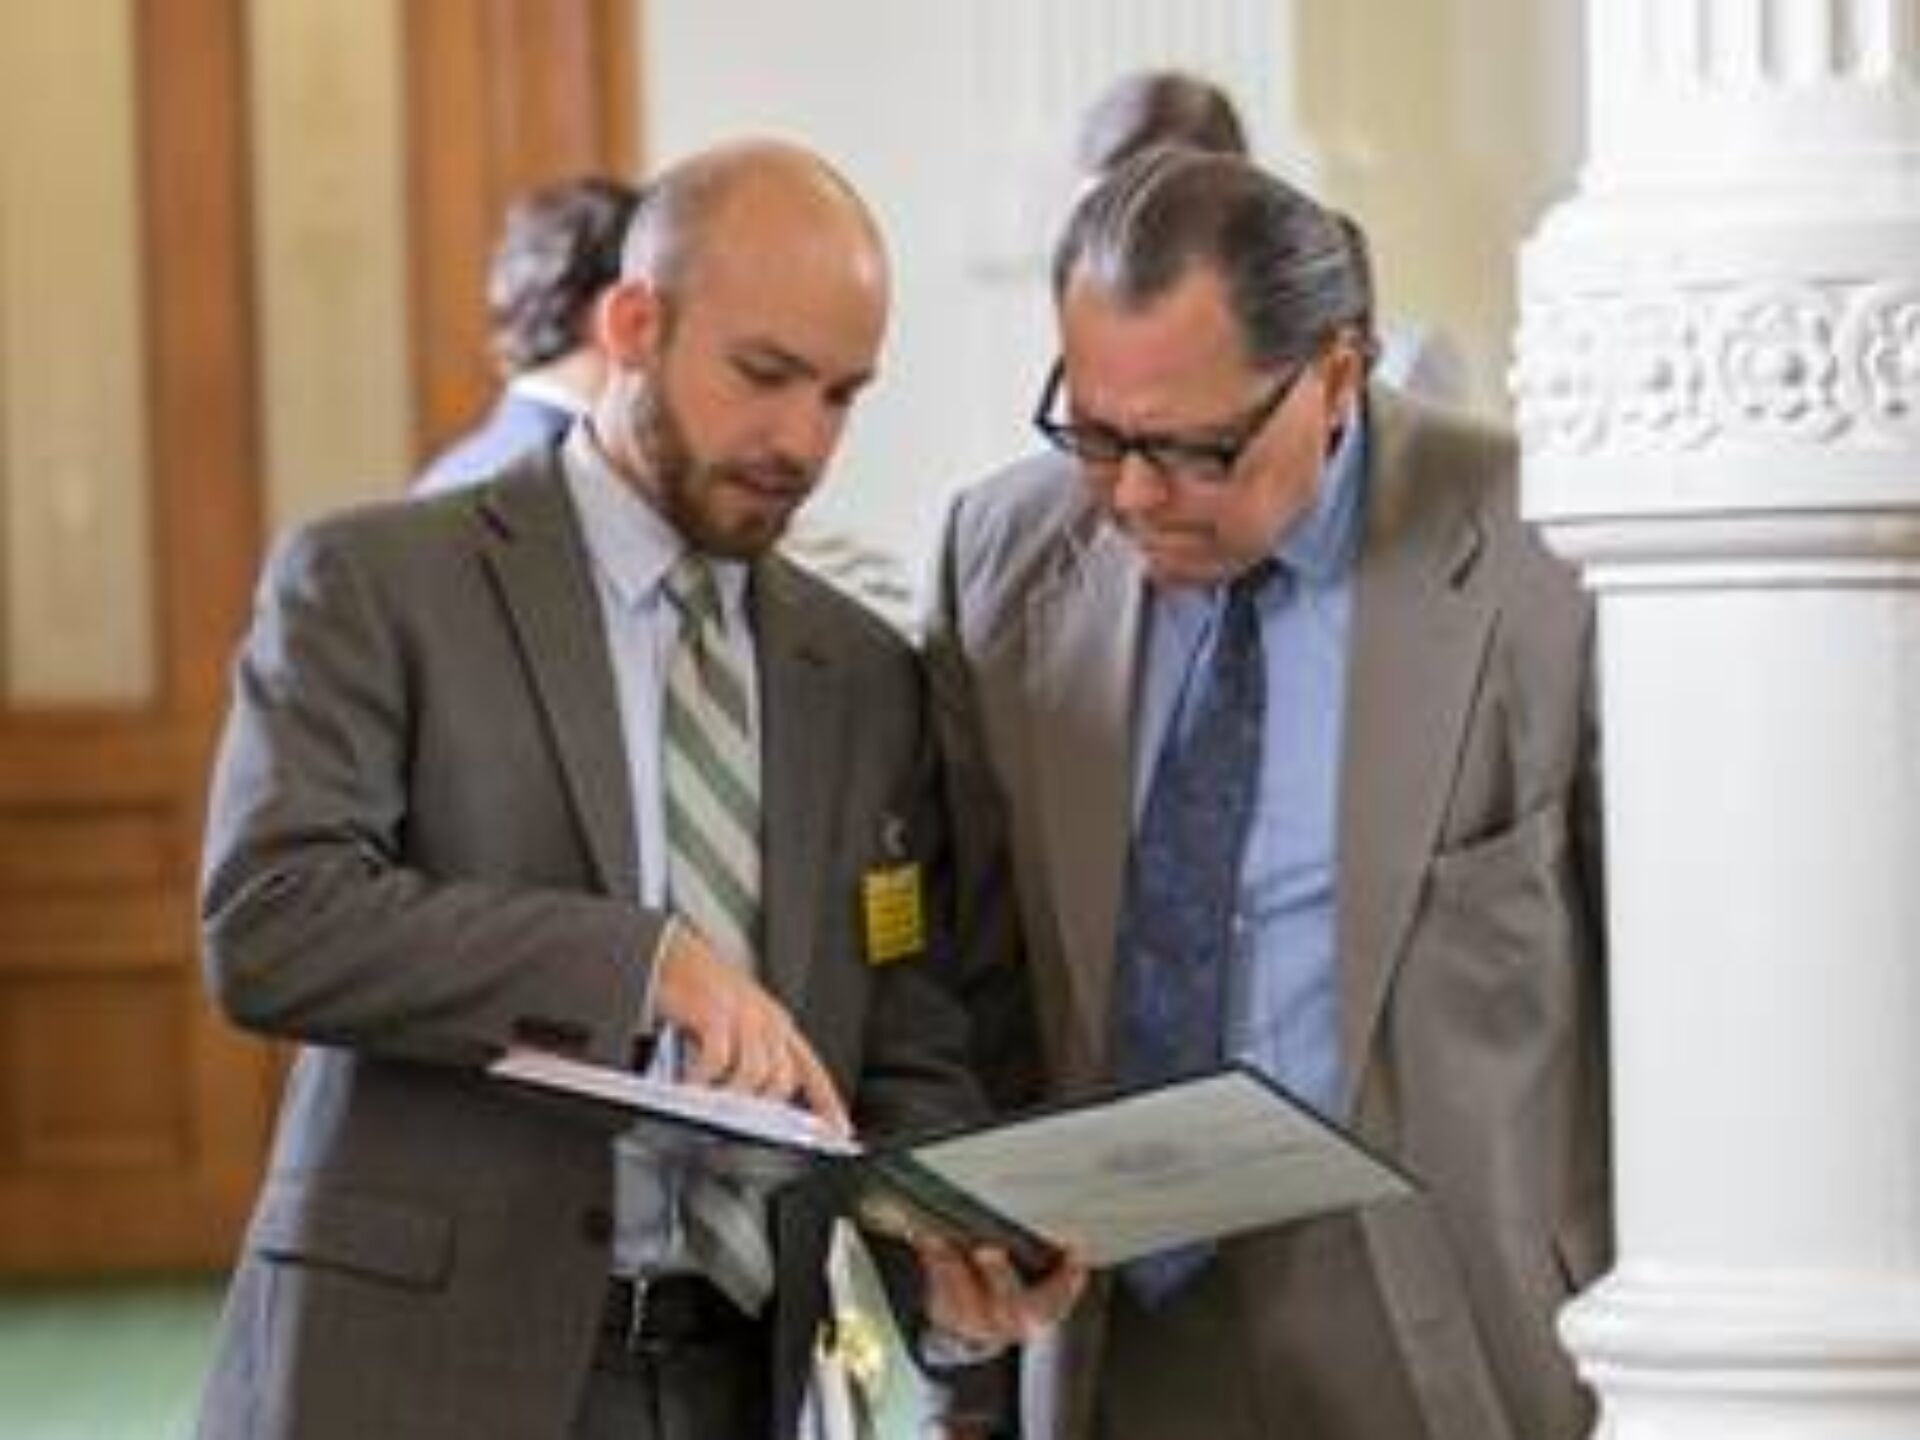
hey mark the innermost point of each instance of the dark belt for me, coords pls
(668, 1311)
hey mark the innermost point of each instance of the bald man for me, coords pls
(451, 814)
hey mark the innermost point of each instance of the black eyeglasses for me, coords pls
(1211, 460)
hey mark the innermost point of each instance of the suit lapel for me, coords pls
(1423, 614)
(534, 551)
(1085, 629)
(802, 716)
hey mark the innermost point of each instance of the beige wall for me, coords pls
(1446, 127)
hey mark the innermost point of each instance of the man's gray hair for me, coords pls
(1295, 274)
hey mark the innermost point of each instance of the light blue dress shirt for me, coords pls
(1282, 994)
(631, 549)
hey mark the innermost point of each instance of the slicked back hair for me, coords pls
(1292, 272)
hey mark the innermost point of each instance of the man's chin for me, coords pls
(1180, 566)
(742, 521)
(741, 537)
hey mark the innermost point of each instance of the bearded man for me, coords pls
(572, 759)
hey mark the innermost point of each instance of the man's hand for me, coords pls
(740, 1037)
(978, 1297)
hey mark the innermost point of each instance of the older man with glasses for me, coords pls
(1268, 730)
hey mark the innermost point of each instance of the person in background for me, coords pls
(1175, 107)
(1268, 737)
(573, 760)
(558, 252)
(1157, 107)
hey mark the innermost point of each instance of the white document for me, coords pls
(1194, 1160)
(764, 1142)
(1114, 1178)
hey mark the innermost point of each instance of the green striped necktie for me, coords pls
(711, 781)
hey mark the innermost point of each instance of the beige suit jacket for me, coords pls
(421, 848)
(1468, 931)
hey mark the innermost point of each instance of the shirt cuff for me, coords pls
(649, 1016)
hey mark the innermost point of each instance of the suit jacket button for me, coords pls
(596, 1225)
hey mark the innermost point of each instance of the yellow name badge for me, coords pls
(896, 924)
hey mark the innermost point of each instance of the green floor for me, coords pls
(103, 1362)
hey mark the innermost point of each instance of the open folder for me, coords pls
(1114, 1177)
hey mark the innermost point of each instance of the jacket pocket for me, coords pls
(313, 1224)
(1530, 847)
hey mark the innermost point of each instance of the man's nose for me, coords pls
(1138, 484)
(808, 430)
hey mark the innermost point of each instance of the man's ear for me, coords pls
(628, 319)
(1343, 387)
(1346, 363)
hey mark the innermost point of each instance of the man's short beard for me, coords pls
(674, 478)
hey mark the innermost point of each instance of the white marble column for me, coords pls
(1718, 385)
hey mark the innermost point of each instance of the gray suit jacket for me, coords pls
(421, 848)
(1469, 950)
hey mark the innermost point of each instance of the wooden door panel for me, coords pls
(132, 1119)
(94, 1063)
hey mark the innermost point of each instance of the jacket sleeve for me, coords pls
(314, 925)
(989, 951)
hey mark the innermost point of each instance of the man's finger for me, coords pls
(782, 1078)
(1048, 1301)
(759, 1061)
(713, 1055)
(816, 1088)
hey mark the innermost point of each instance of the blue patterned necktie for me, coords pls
(1175, 938)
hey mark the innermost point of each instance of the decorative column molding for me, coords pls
(1792, 83)
(1736, 276)
(1718, 389)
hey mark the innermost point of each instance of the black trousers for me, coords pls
(676, 1361)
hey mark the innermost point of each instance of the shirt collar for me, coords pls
(631, 543)
(1319, 547)
(545, 390)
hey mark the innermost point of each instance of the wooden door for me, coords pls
(130, 1121)
(133, 1121)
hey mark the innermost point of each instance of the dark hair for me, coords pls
(1295, 272)
(1158, 107)
(559, 249)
